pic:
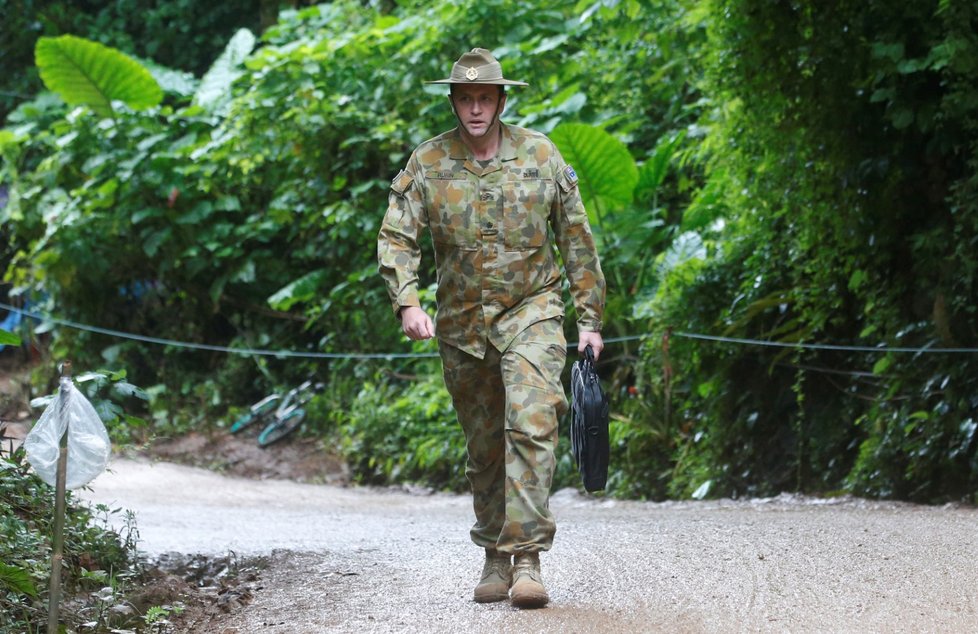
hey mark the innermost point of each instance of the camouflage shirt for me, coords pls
(493, 224)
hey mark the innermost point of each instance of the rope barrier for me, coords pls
(823, 346)
(203, 346)
(416, 355)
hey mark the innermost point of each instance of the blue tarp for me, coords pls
(10, 323)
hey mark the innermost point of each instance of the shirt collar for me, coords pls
(507, 145)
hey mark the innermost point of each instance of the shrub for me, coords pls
(95, 556)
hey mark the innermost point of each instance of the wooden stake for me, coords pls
(57, 556)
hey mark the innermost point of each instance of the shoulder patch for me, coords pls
(571, 175)
(401, 182)
(566, 178)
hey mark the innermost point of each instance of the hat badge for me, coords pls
(472, 74)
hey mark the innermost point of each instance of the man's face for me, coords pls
(476, 106)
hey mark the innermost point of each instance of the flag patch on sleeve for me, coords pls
(571, 174)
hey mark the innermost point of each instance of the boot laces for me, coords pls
(527, 564)
(497, 563)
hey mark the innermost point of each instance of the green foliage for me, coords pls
(253, 223)
(182, 34)
(94, 555)
(779, 171)
(405, 432)
(157, 617)
(8, 338)
(110, 395)
(87, 73)
(17, 580)
(606, 171)
(215, 85)
(841, 149)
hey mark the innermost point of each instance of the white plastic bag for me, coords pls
(88, 442)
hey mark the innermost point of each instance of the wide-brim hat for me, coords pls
(478, 66)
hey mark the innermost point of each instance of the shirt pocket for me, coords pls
(526, 208)
(451, 217)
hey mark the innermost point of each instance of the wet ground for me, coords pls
(340, 559)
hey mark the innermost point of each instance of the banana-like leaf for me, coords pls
(215, 86)
(83, 72)
(605, 169)
(654, 170)
(172, 81)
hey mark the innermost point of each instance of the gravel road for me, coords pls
(364, 560)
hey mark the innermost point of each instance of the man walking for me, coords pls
(495, 198)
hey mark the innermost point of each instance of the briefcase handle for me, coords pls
(589, 354)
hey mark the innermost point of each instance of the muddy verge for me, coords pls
(188, 591)
(296, 458)
(201, 591)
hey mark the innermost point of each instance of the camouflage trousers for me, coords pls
(508, 405)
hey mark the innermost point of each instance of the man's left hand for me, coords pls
(594, 340)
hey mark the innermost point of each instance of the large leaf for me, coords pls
(654, 170)
(605, 169)
(17, 579)
(8, 338)
(687, 246)
(303, 289)
(83, 72)
(175, 82)
(215, 86)
(126, 388)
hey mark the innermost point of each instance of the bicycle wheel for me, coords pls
(282, 426)
(257, 412)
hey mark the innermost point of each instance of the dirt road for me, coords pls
(352, 560)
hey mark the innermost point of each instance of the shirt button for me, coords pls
(488, 225)
(486, 196)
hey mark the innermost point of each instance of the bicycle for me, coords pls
(286, 413)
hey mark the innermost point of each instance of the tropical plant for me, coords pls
(143, 29)
(206, 211)
(214, 91)
(839, 150)
(87, 73)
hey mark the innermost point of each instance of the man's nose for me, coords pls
(476, 106)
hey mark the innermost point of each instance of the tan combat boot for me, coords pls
(527, 590)
(496, 577)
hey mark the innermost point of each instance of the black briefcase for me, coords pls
(589, 425)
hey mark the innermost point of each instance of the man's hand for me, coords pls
(416, 323)
(595, 341)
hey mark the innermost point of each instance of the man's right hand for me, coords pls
(416, 323)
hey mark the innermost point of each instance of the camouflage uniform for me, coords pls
(499, 309)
